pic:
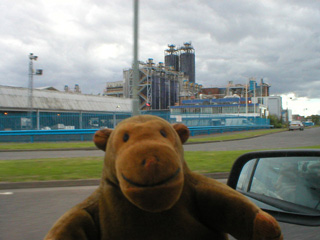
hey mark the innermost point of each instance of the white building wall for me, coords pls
(274, 104)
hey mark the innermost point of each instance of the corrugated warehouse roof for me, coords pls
(16, 98)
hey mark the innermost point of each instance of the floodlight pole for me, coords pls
(135, 82)
(30, 88)
(30, 85)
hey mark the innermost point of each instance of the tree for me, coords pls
(275, 121)
(315, 119)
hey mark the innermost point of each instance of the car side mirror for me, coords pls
(284, 183)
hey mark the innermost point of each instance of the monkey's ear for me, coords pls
(182, 131)
(101, 138)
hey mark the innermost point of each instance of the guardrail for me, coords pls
(87, 134)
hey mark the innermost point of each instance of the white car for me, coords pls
(296, 125)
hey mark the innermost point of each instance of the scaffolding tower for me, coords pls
(158, 86)
(161, 85)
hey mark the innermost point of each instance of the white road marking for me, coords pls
(6, 193)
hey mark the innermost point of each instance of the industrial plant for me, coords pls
(168, 89)
(162, 85)
(172, 86)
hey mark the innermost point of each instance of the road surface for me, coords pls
(30, 213)
(287, 139)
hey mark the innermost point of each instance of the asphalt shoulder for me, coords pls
(78, 183)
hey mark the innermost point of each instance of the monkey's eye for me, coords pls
(125, 137)
(163, 133)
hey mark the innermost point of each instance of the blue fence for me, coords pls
(81, 126)
(59, 120)
(221, 129)
(218, 120)
(47, 135)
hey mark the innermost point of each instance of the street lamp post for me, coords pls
(30, 87)
(135, 83)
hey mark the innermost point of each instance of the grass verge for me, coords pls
(91, 167)
(50, 169)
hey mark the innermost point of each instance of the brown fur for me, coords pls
(148, 192)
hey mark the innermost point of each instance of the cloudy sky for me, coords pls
(90, 42)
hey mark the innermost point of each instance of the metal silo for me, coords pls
(187, 61)
(174, 89)
(171, 57)
(163, 91)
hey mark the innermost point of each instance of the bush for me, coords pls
(275, 121)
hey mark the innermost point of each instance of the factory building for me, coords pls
(158, 87)
(236, 99)
(114, 89)
(224, 106)
(252, 89)
(164, 84)
(52, 109)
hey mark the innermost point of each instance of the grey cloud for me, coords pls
(90, 43)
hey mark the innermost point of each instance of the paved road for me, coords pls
(308, 137)
(30, 213)
(287, 139)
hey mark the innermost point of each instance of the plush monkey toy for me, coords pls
(148, 192)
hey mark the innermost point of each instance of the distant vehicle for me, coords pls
(296, 125)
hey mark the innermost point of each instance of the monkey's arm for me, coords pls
(76, 224)
(225, 209)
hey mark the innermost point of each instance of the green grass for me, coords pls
(50, 169)
(210, 162)
(310, 147)
(91, 167)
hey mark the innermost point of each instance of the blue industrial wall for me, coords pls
(58, 120)
(22, 127)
